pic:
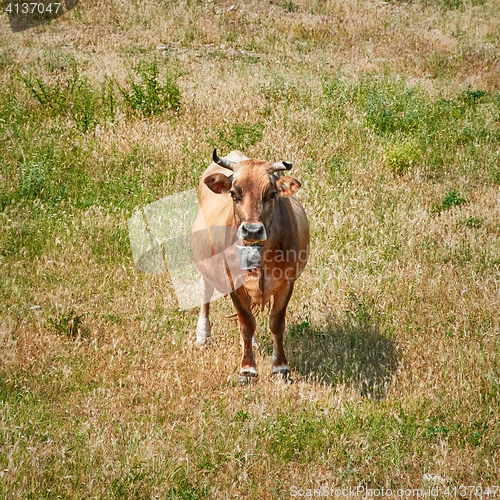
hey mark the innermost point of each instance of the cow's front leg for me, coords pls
(277, 327)
(247, 324)
(203, 326)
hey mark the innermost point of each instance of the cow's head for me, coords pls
(254, 189)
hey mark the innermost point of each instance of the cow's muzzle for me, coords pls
(252, 233)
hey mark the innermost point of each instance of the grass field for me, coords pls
(390, 113)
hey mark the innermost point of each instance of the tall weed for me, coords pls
(149, 96)
(74, 97)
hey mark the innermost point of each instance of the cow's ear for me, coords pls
(219, 183)
(287, 186)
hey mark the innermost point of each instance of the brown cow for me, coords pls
(250, 202)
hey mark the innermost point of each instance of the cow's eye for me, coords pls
(234, 196)
(271, 196)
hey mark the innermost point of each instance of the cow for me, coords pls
(251, 202)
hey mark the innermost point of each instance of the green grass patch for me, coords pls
(237, 136)
(298, 437)
(415, 129)
(401, 157)
(453, 198)
(68, 324)
(289, 6)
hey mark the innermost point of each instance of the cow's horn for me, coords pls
(223, 162)
(281, 165)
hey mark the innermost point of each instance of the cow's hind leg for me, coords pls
(277, 327)
(246, 320)
(203, 328)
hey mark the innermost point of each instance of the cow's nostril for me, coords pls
(255, 232)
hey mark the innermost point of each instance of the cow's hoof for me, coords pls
(285, 374)
(247, 378)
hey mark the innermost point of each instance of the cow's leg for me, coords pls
(277, 327)
(247, 324)
(203, 327)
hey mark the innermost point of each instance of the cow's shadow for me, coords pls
(349, 350)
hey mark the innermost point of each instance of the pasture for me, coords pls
(390, 113)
